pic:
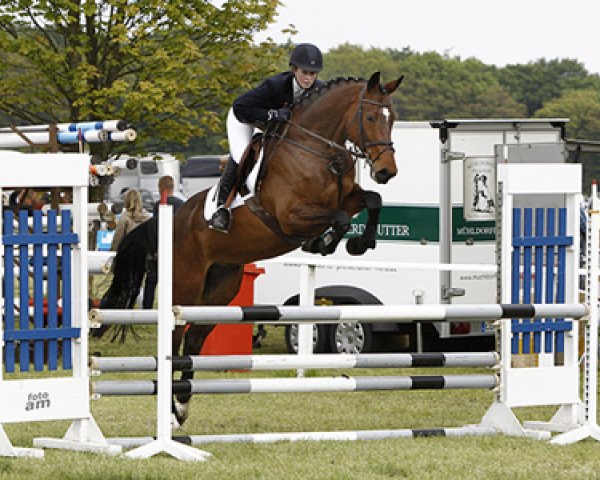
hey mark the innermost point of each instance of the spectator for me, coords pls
(166, 187)
(132, 216)
(24, 199)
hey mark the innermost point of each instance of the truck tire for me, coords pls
(319, 338)
(431, 338)
(358, 338)
(351, 338)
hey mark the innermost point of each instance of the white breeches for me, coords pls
(239, 135)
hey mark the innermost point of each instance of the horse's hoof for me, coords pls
(328, 249)
(174, 422)
(314, 245)
(355, 246)
(308, 246)
(182, 411)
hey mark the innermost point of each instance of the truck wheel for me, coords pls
(351, 338)
(431, 338)
(319, 338)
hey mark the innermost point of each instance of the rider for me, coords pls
(271, 100)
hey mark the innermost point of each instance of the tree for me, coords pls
(435, 86)
(582, 107)
(538, 82)
(169, 65)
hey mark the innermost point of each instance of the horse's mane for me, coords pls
(322, 90)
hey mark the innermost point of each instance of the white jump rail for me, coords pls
(334, 314)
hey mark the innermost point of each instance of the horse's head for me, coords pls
(370, 128)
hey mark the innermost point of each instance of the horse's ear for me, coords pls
(393, 85)
(373, 81)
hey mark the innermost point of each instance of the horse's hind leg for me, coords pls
(179, 415)
(194, 338)
(372, 202)
(221, 285)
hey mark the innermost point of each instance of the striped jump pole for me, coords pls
(334, 314)
(297, 385)
(294, 362)
(467, 430)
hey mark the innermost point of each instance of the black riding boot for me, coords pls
(221, 219)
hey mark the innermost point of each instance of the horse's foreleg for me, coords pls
(372, 202)
(221, 284)
(327, 243)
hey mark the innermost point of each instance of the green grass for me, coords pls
(496, 457)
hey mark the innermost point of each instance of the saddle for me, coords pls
(248, 161)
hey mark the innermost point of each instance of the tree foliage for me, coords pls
(581, 107)
(435, 86)
(538, 82)
(168, 65)
(173, 69)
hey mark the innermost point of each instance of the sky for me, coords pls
(496, 32)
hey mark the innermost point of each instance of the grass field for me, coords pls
(495, 457)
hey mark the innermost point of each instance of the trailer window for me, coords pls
(148, 168)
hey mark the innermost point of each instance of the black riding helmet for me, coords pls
(307, 57)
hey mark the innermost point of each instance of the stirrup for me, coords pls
(220, 220)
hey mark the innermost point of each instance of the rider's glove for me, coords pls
(281, 115)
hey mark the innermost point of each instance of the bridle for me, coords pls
(353, 151)
(360, 151)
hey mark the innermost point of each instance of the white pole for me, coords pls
(307, 298)
(163, 442)
(165, 324)
(590, 382)
(592, 326)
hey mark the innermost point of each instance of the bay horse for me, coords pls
(306, 197)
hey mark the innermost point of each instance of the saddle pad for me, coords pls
(210, 205)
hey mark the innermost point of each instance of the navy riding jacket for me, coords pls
(274, 93)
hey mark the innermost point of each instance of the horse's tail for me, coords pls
(129, 265)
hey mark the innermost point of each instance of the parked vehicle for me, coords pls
(422, 221)
(199, 173)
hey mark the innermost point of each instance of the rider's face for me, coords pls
(304, 78)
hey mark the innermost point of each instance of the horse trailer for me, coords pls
(438, 210)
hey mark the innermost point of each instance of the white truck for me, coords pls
(422, 221)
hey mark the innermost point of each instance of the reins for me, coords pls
(339, 165)
(353, 153)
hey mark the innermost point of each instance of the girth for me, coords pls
(271, 222)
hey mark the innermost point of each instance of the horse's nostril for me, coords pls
(383, 175)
